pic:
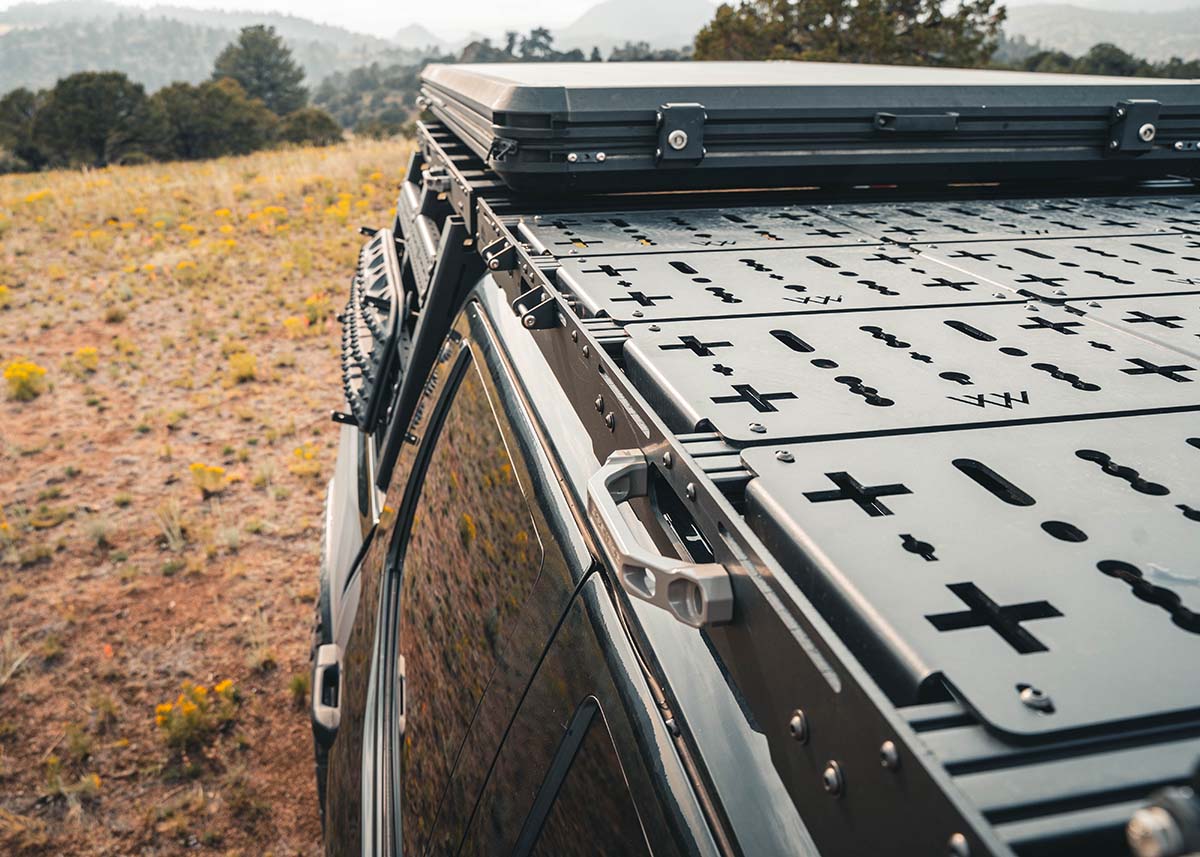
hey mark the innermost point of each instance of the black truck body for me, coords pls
(846, 519)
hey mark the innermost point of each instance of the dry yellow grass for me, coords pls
(183, 314)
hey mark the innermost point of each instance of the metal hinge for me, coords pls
(697, 594)
(681, 134)
(1133, 125)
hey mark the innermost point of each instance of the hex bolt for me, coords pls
(572, 158)
(798, 726)
(958, 846)
(610, 421)
(1147, 132)
(889, 756)
(599, 404)
(1036, 699)
(677, 139)
(1153, 832)
(601, 157)
(668, 459)
(831, 778)
(690, 490)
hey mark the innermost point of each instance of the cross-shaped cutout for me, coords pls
(1005, 621)
(864, 496)
(1145, 367)
(760, 401)
(577, 242)
(900, 230)
(1063, 327)
(828, 233)
(1138, 317)
(1046, 281)
(642, 299)
(609, 270)
(884, 257)
(695, 345)
(942, 282)
(967, 254)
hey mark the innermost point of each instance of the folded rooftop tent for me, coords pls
(602, 127)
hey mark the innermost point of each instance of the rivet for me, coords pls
(831, 778)
(758, 428)
(637, 313)
(599, 403)
(1036, 699)
(957, 846)
(798, 726)
(1113, 144)
(586, 351)
(889, 756)
(784, 456)
(654, 328)
(610, 421)
(1093, 303)
(691, 490)
(668, 459)
(1120, 112)
(1060, 291)
(574, 335)
(1179, 145)
(601, 157)
(572, 158)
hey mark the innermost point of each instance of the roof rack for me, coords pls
(971, 358)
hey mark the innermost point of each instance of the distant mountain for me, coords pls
(662, 23)
(416, 37)
(1154, 36)
(162, 44)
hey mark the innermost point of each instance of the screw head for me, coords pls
(677, 139)
(494, 264)
(610, 421)
(958, 846)
(586, 351)
(1179, 145)
(599, 404)
(601, 157)
(1147, 132)
(637, 313)
(572, 158)
(529, 321)
(690, 490)
(798, 726)
(574, 335)
(1153, 832)
(889, 756)
(758, 428)
(784, 456)
(1113, 144)
(1036, 698)
(1120, 112)
(831, 778)
(668, 459)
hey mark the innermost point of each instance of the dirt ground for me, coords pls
(170, 359)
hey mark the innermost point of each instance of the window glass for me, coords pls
(472, 556)
(594, 812)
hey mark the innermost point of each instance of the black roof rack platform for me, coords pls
(602, 127)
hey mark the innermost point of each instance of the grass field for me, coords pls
(169, 350)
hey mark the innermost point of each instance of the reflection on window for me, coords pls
(594, 812)
(471, 560)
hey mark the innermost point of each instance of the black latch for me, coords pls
(1133, 125)
(681, 134)
(501, 148)
(917, 123)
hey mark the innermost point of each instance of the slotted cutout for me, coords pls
(993, 482)
(792, 341)
(1144, 590)
(1135, 480)
(969, 330)
(684, 268)
(1064, 531)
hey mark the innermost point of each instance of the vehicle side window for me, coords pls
(471, 558)
(593, 812)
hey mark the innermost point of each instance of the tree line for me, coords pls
(254, 99)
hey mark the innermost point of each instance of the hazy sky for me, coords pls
(447, 18)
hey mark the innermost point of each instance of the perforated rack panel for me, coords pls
(370, 330)
(971, 430)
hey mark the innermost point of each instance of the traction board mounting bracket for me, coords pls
(680, 134)
(1133, 125)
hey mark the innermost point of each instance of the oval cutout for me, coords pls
(1063, 531)
(792, 341)
(993, 482)
(684, 268)
(970, 330)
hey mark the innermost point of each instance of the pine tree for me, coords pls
(263, 65)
